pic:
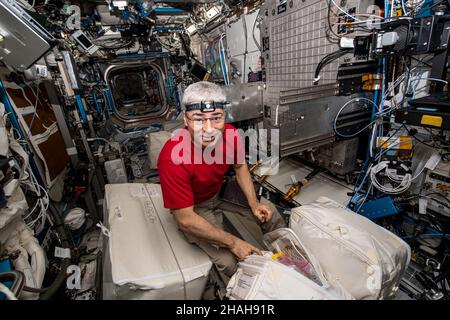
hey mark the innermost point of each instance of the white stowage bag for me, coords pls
(17, 237)
(156, 141)
(352, 252)
(146, 256)
(261, 278)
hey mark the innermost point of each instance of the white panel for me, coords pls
(320, 185)
(236, 36)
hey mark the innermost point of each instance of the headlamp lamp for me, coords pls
(205, 106)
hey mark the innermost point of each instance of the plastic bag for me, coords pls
(288, 251)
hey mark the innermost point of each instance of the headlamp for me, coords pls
(205, 106)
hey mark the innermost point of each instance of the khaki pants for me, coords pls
(212, 210)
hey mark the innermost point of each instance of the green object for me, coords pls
(66, 8)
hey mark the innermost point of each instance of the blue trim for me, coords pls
(159, 29)
(223, 66)
(5, 266)
(109, 98)
(81, 109)
(359, 184)
(141, 9)
(125, 15)
(10, 110)
(13, 118)
(94, 96)
(426, 9)
(171, 10)
(169, 87)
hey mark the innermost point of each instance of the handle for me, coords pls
(17, 278)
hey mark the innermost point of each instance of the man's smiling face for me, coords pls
(205, 127)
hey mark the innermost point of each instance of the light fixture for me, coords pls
(120, 4)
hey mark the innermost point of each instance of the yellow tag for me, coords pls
(431, 121)
(275, 256)
(371, 76)
(401, 143)
(406, 143)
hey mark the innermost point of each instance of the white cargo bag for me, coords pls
(286, 272)
(353, 252)
(146, 256)
(155, 142)
(261, 278)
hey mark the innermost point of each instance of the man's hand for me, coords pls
(261, 211)
(242, 249)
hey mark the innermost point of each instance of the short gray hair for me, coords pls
(203, 91)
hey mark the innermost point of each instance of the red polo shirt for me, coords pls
(190, 175)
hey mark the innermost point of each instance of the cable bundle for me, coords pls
(403, 182)
(327, 59)
(42, 203)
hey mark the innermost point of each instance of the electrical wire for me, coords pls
(419, 140)
(438, 194)
(368, 170)
(42, 202)
(344, 12)
(422, 9)
(421, 61)
(405, 13)
(358, 99)
(433, 135)
(404, 182)
(353, 23)
(30, 127)
(430, 79)
(223, 60)
(418, 79)
(426, 196)
(113, 44)
(327, 59)
(330, 27)
(244, 71)
(371, 22)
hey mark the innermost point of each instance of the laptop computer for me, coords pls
(22, 39)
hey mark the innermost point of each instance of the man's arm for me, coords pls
(262, 212)
(192, 223)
